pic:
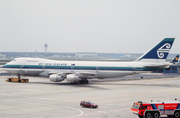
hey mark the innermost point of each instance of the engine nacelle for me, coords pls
(56, 78)
(72, 78)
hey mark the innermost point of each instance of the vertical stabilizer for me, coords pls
(175, 59)
(158, 52)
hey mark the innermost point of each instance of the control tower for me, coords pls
(45, 48)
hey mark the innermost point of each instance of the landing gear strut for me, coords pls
(85, 81)
(19, 76)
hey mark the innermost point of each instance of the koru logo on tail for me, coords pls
(163, 49)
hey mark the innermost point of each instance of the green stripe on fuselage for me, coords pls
(82, 67)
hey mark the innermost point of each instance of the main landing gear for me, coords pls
(19, 76)
(85, 81)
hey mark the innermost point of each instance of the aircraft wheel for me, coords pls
(86, 81)
(81, 82)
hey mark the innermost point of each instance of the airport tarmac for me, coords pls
(41, 98)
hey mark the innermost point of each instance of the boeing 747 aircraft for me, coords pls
(80, 71)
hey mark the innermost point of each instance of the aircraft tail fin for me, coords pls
(159, 52)
(175, 59)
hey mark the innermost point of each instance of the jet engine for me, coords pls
(72, 78)
(56, 78)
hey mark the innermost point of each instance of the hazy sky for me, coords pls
(116, 26)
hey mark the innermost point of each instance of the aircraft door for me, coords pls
(43, 67)
(72, 67)
(21, 69)
(97, 69)
(134, 70)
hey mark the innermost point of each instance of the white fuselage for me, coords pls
(45, 67)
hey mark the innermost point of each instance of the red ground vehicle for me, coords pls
(88, 104)
(156, 109)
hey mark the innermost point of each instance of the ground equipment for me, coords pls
(156, 109)
(17, 80)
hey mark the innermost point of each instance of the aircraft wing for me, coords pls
(59, 73)
(80, 74)
(157, 66)
(85, 74)
(71, 77)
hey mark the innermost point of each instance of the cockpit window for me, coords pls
(14, 59)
